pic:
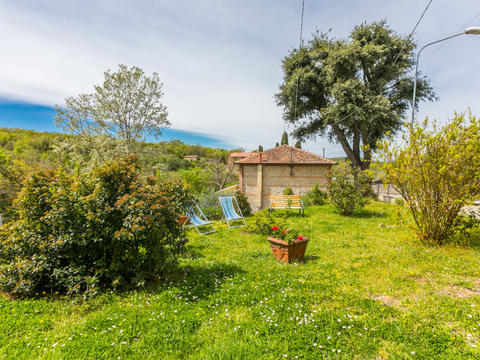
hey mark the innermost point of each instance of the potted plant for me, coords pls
(287, 245)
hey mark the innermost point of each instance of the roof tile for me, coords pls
(285, 154)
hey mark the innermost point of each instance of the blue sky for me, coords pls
(41, 118)
(219, 60)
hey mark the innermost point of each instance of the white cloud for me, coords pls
(220, 60)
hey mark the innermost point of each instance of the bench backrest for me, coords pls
(285, 200)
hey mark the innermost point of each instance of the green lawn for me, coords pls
(368, 290)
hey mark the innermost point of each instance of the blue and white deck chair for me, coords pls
(198, 219)
(229, 211)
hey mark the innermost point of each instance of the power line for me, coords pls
(394, 62)
(298, 79)
(438, 48)
(413, 31)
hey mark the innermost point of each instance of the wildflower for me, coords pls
(274, 227)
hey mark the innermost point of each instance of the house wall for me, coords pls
(248, 183)
(275, 178)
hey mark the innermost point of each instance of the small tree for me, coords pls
(298, 144)
(437, 172)
(284, 138)
(260, 148)
(277, 144)
(220, 173)
(347, 188)
(121, 112)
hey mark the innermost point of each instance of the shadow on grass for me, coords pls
(368, 214)
(310, 258)
(292, 213)
(469, 238)
(197, 281)
(193, 252)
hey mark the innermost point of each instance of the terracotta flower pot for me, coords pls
(287, 253)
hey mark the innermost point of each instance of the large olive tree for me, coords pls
(352, 91)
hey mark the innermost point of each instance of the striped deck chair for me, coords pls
(198, 219)
(229, 211)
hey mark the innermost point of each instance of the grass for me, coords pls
(368, 290)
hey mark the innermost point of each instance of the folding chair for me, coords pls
(198, 219)
(226, 202)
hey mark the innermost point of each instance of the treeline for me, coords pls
(33, 146)
(24, 151)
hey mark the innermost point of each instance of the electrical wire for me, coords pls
(394, 62)
(438, 48)
(298, 79)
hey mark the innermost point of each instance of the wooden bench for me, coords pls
(286, 202)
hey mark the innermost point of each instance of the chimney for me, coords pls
(260, 155)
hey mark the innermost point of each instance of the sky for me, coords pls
(220, 61)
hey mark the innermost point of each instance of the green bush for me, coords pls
(243, 203)
(210, 206)
(316, 196)
(262, 222)
(213, 212)
(436, 169)
(347, 188)
(287, 191)
(107, 228)
(196, 179)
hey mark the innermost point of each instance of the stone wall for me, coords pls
(248, 183)
(275, 178)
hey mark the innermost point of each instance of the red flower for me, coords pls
(300, 237)
(275, 228)
(283, 231)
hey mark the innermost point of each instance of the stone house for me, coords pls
(236, 156)
(271, 171)
(190, 157)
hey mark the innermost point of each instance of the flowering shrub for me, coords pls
(289, 235)
(436, 169)
(106, 228)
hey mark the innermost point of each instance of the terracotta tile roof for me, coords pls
(241, 154)
(285, 155)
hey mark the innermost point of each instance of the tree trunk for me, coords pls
(342, 139)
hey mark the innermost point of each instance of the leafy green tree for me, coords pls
(260, 148)
(298, 144)
(277, 144)
(122, 112)
(436, 169)
(197, 179)
(284, 138)
(353, 91)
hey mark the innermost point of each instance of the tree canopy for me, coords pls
(353, 91)
(120, 113)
